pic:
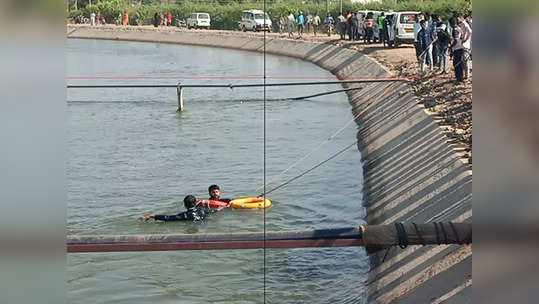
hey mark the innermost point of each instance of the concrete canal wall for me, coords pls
(411, 172)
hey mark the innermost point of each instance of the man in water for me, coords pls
(215, 194)
(194, 212)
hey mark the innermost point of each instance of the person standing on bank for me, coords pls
(156, 20)
(444, 41)
(457, 50)
(341, 26)
(316, 23)
(300, 20)
(125, 18)
(291, 20)
(425, 43)
(92, 19)
(417, 28)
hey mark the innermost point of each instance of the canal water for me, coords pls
(130, 153)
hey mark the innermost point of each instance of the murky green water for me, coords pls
(131, 153)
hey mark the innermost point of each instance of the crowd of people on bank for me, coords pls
(162, 19)
(305, 22)
(358, 26)
(98, 19)
(354, 26)
(435, 38)
(123, 19)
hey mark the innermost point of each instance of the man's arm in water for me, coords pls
(159, 217)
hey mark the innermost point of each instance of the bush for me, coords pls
(444, 8)
(74, 14)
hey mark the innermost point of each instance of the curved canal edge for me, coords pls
(412, 172)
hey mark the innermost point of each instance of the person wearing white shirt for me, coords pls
(291, 20)
(316, 23)
(92, 18)
(467, 44)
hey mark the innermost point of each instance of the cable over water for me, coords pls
(221, 100)
(304, 173)
(325, 141)
(322, 143)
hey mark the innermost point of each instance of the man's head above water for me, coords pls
(214, 191)
(189, 202)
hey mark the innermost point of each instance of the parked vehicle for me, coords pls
(404, 27)
(198, 20)
(254, 20)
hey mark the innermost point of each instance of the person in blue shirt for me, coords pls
(443, 42)
(300, 20)
(417, 28)
(425, 45)
(329, 19)
(329, 23)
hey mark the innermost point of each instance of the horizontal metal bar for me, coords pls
(336, 237)
(371, 236)
(231, 86)
(122, 86)
(347, 232)
(213, 245)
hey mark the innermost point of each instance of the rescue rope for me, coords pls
(308, 154)
(456, 233)
(419, 234)
(222, 100)
(402, 236)
(307, 171)
(321, 144)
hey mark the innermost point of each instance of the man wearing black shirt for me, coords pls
(194, 212)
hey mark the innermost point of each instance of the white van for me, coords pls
(198, 20)
(405, 27)
(255, 20)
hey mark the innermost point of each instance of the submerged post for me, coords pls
(180, 97)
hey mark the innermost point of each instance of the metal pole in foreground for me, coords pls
(373, 237)
(180, 97)
(335, 237)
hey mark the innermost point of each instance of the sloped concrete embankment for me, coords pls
(411, 172)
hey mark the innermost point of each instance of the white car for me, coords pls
(198, 20)
(255, 20)
(405, 27)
